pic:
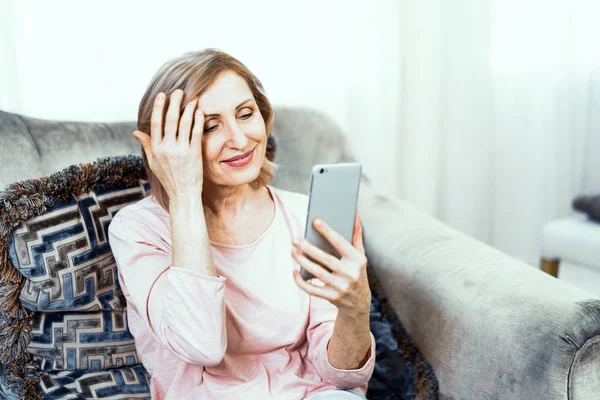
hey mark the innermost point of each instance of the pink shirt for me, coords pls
(272, 343)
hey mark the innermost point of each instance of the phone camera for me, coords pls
(321, 170)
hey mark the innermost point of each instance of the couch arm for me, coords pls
(491, 326)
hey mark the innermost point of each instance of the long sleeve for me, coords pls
(183, 309)
(321, 323)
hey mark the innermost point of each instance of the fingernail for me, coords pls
(318, 222)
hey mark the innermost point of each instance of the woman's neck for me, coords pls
(230, 201)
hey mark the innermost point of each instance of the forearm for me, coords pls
(189, 236)
(350, 342)
(187, 311)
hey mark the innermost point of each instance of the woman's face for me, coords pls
(233, 125)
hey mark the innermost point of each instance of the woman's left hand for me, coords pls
(347, 285)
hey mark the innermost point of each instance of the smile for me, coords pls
(241, 160)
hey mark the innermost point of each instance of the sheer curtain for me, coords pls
(495, 113)
(479, 112)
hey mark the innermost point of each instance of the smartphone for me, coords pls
(333, 198)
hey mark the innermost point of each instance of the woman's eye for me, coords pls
(247, 115)
(210, 129)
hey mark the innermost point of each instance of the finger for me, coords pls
(185, 124)
(317, 270)
(360, 245)
(358, 235)
(156, 120)
(172, 122)
(198, 129)
(317, 254)
(356, 227)
(338, 242)
(322, 292)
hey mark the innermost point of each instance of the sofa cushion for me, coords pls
(17, 140)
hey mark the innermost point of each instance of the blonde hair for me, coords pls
(193, 73)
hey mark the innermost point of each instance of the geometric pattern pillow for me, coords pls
(120, 383)
(61, 307)
(71, 286)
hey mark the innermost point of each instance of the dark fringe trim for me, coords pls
(425, 380)
(19, 202)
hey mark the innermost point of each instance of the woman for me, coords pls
(209, 263)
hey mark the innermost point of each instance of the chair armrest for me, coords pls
(491, 326)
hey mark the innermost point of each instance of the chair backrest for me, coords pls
(34, 147)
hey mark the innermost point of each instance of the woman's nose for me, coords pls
(236, 137)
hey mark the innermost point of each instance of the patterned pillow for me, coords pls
(79, 311)
(61, 307)
(120, 383)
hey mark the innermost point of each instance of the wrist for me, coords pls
(354, 315)
(190, 198)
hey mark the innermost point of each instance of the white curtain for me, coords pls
(495, 108)
(480, 112)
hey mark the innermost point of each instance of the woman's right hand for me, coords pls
(175, 155)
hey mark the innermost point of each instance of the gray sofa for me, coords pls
(491, 326)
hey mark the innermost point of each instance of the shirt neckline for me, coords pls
(272, 191)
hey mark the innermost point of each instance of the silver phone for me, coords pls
(333, 198)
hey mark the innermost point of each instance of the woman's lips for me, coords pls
(242, 160)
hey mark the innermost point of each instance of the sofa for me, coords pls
(491, 326)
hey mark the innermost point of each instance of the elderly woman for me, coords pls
(209, 264)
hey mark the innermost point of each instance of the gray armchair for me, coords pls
(491, 326)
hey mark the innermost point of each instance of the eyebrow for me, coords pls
(236, 108)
